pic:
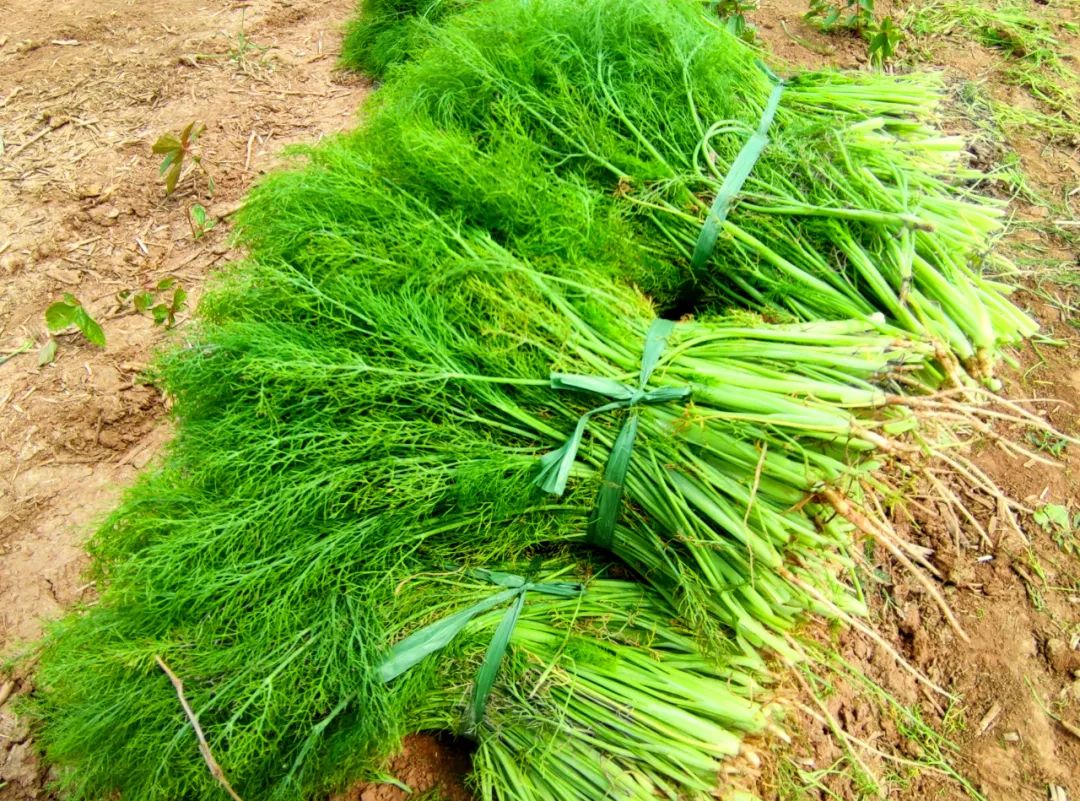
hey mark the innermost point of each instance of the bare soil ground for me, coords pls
(85, 89)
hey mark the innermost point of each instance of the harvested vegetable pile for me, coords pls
(854, 207)
(441, 463)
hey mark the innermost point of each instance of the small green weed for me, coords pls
(64, 314)
(158, 302)
(954, 722)
(935, 746)
(248, 57)
(852, 15)
(1059, 706)
(884, 41)
(1055, 520)
(936, 749)
(732, 14)
(1048, 443)
(7, 356)
(883, 38)
(177, 151)
(201, 223)
(1034, 586)
(795, 782)
(851, 776)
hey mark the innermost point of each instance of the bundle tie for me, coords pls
(436, 636)
(555, 466)
(736, 176)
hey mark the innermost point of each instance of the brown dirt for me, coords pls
(1019, 604)
(425, 765)
(85, 89)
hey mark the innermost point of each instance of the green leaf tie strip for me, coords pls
(555, 466)
(438, 635)
(736, 177)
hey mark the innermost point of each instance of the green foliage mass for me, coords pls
(856, 207)
(349, 419)
(386, 32)
(362, 404)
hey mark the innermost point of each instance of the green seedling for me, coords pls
(11, 354)
(158, 303)
(243, 53)
(852, 15)
(64, 314)
(164, 312)
(1054, 517)
(178, 150)
(201, 223)
(1048, 442)
(247, 56)
(857, 16)
(1055, 520)
(732, 14)
(884, 42)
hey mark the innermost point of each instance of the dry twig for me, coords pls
(49, 128)
(5, 691)
(204, 747)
